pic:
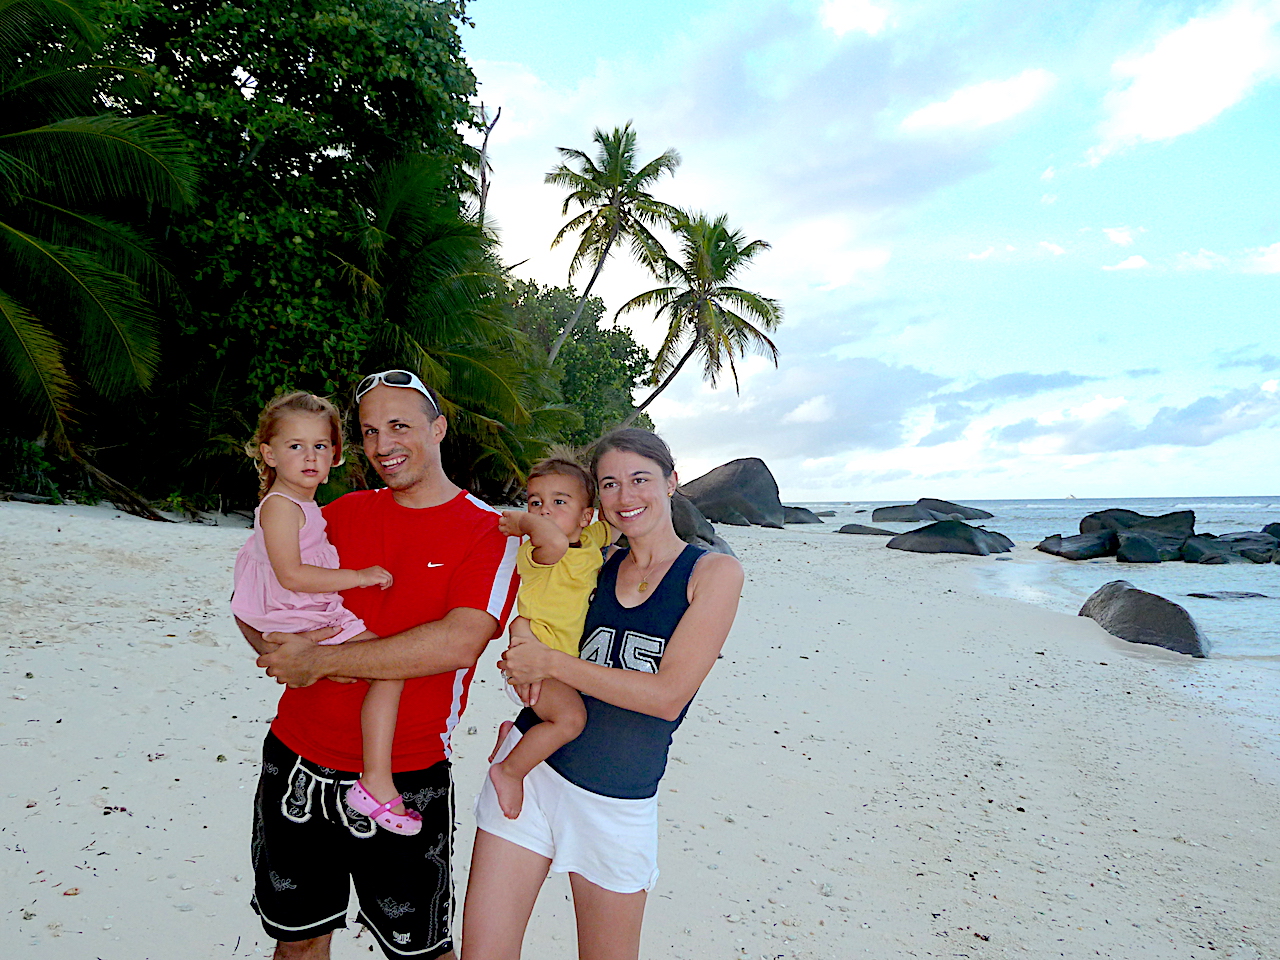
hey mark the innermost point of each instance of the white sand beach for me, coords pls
(886, 763)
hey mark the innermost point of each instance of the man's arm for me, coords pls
(454, 642)
(259, 645)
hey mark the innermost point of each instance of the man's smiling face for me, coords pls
(400, 438)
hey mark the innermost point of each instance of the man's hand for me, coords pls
(295, 660)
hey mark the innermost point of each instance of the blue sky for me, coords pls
(1025, 249)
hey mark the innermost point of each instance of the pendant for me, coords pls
(644, 585)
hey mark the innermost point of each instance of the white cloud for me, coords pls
(983, 255)
(1048, 175)
(1203, 260)
(1132, 263)
(1271, 386)
(822, 254)
(1191, 75)
(982, 104)
(1049, 198)
(1264, 259)
(814, 410)
(1053, 248)
(848, 16)
(1120, 235)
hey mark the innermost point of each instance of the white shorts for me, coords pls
(612, 843)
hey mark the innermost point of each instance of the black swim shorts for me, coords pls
(309, 847)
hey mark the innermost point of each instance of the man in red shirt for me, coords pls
(453, 590)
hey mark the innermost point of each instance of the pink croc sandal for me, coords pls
(362, 801)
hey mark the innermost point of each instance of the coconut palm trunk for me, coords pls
(615, 204)
(666, 382)
(582, 301)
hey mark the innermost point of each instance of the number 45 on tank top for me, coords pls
(634, 651)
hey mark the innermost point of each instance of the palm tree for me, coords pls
(423, 274)
(74, 304)
(705, 312)
(615, 206)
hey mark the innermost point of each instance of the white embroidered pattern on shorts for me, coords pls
(282, 883)
(394, 910)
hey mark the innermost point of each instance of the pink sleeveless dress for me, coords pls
(261, 602)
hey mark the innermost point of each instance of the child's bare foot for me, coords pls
(382, 789)
(503, 730)
(510, 790)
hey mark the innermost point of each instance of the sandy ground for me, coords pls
(887, 763)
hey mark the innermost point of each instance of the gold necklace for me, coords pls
(644, 577)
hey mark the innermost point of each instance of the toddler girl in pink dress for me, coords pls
(287, 577)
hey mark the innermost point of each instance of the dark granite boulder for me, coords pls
(1203, 549)
(1230, 595)
(1181, 523)
(1272, 529)
(952, 536)
(1131, 614)
(1144, 547)
(857, 528)
(1112, 519)
(1254, 547)
(829, 513)
(1086, 546)
(948, 508)
(799, 515)
(688, 520)
(927, 509)
(740, 492)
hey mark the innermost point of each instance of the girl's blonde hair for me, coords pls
(269, 420)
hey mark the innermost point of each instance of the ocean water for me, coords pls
(1247, 631)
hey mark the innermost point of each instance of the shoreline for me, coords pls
(828, 794)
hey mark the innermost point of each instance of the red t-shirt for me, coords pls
(442, 558)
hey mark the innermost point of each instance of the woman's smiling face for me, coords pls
(634, 495)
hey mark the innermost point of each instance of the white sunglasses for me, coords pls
(396, 378)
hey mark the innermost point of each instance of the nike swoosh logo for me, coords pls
(435, 564)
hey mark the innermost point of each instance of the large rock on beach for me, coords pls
(952, 536)
(1253, 546)
(799, 515)
(1131, 614)
(1206, 549)
(829, 513)
(1086, 546)
(860, 530)
(693, 527)
(1145, 546)
(927, 509)
(1272, 529)
(740, 493)
(1114, 518)
(1181, 523)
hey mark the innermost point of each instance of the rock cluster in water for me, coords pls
(1134, 538)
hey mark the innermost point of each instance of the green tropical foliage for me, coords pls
(81, 277)
(432, 300)
(706, 312)
(599, 367)
(612, 192)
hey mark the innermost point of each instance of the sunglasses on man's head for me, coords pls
(395, 378)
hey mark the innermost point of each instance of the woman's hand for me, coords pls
(527, 660)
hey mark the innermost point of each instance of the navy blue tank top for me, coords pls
(621, 753)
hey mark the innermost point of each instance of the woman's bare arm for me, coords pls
(715, 589)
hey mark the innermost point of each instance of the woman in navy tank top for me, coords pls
(660, 614)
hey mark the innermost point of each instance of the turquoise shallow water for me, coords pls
(1244, 630)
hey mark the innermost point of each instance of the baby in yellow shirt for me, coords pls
(558, 565)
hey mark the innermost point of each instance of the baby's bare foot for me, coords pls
(383, 789)
(503, 730)
(510, 791)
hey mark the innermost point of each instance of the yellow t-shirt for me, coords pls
(554, 598)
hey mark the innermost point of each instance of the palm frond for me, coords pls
(33, 358)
